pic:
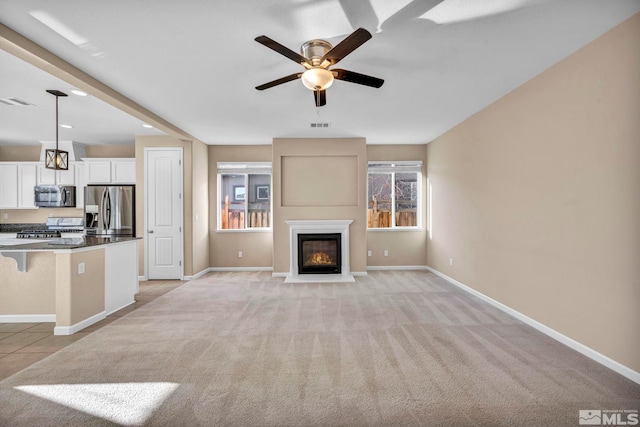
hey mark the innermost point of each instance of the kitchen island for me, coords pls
(74, 282)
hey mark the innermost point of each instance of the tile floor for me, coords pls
(22, 344)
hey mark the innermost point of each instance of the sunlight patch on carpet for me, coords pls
(128, 404)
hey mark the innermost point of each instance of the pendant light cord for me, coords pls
(57, 125)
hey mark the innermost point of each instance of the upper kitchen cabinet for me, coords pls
(110, 171)
(53, 177)
(123, 171)
(18, 180)
(9, 187)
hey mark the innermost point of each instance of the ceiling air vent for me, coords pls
(320, 125)
(15, 101)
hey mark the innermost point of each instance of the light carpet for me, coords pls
(403, 348)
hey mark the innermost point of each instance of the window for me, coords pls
(394, 199)
(244, 195)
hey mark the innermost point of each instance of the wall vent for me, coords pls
(15, 101)
(320, 125)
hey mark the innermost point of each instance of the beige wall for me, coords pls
(537, 197)
(52, 285)
(319, 179)
(256, 246)
(20, 153)
(79, 296)
(31, 153)
(406, 248)
(30, 292)
(111, 151)
(40, 215)
(200, 215)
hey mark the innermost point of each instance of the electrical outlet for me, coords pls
(369, 253)
(450, 261)
(239, 254)
(5, 216)
(81, 268)
(386, 252)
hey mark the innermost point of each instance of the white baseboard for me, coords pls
(396, 267)
(195, 276)
(358, 273)
(142, 278)
(27, 318)
(69, 330)
(569, 342)
(239, 269)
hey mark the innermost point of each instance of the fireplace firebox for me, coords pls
(319, 253)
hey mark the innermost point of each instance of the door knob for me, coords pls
(149, 231)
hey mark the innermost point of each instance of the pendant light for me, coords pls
(56, 159)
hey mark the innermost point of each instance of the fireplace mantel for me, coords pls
(319, 226)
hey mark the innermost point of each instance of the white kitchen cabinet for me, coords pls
(67, 177)
(97, 172)
(110, 171)
(123, 171)
(52, 177)
(16, 185)
(81, 183)
(46, 176)
(27, 178)
(8, 185)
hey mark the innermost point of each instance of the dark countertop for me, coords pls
(65, 243)
(14, 228)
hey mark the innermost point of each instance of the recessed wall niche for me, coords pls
(319, 181)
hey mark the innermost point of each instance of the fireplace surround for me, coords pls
(319, 251)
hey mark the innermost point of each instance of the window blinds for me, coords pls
(398, 166)
(244, 167)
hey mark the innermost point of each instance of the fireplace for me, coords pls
(319, 253)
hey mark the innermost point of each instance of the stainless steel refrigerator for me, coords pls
(110, 210)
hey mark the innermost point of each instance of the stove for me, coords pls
(38, 234)
(55, 226)
(66, 224)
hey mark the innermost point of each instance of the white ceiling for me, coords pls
(195, 64)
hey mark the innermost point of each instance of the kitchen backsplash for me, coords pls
(26, 216)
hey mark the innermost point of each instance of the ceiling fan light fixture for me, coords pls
(317, 78)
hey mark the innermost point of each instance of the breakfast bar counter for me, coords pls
(82, 242)
(74, 282)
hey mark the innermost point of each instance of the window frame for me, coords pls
(246, 169)
(392, 168)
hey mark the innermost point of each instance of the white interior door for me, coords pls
(163, 233)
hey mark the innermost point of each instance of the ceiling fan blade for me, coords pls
(283, 50)
(279, 81)
(320, 97)
(346, 46)
(353, 77)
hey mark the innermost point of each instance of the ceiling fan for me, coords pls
(317, 56)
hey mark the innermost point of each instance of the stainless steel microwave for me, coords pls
(55, 196)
